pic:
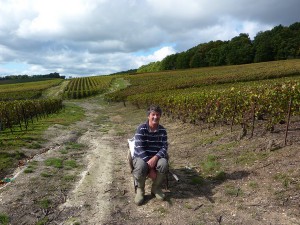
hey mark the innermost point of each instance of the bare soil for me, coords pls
(224, 178)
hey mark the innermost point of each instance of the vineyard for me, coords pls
(268, 92)
(19, 103)
(87, 86)
(243, 94)
(201, 77)
(29, 90)
(21, 112)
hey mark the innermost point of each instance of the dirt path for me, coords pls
(86, 201)
(90, 193)
(223, 179)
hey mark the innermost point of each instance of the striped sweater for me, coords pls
(149, 144)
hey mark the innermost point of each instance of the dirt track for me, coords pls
(101, 191)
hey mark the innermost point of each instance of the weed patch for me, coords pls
(29, 170)
(227, 146)
(4, 219)
(73, 146)
(42, 221)
(161, 210)
(9, 159)
(211, 166)
(253, 184)
(69, 164)
(46, 174)
(197, 180)
(45, 203)
(55, 162)
(249, 158)
(69, 178)
(32, 138)
(232, 190)
(283, 178)
(31, 167)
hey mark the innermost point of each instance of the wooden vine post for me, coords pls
(253, 118)
(288, 120)
(233, 116)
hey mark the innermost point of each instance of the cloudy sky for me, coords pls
(95, 37)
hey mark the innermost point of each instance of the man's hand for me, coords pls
(152, 162)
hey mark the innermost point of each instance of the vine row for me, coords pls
(270, 102)
(87, 86)
(21, 112)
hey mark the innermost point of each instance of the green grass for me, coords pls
(31, 167)
(32, 138)
(54, 162)
(42, 221)
(4, 219)
(13, 145)
(283, 178)
(74, 146)
(253, 184)
(44, 174)
(69, 178)
(63, 151)
(29, 170)
(60, 163)
(69, 164)
(227, 146)
(71, 146)
(44, 203)
(9, 159)
(34, 145)
(211, 168)
(249, 158)
(211, 165)
(204, 140)
(232, 190)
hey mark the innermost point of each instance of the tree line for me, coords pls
(21, 77)
(279, 43)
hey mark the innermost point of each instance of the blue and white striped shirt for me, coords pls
(148, 144)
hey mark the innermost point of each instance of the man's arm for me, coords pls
(140, 143)
(163, 152)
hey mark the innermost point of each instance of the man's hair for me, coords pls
(154, 108)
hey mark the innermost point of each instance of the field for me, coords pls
(26, 90)
(232, 95)
(233, 142)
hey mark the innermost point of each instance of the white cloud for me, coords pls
(155, 56)
(100, 36)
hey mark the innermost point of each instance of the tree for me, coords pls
(169, 62)
(240, 50)
(294, 42)
(183, 59)
(199, 58)
(216, 56)
(151, 67)
(264, 50)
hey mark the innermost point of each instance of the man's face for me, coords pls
(154, 118)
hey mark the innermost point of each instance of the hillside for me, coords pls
(279, 43)
(73, 167)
